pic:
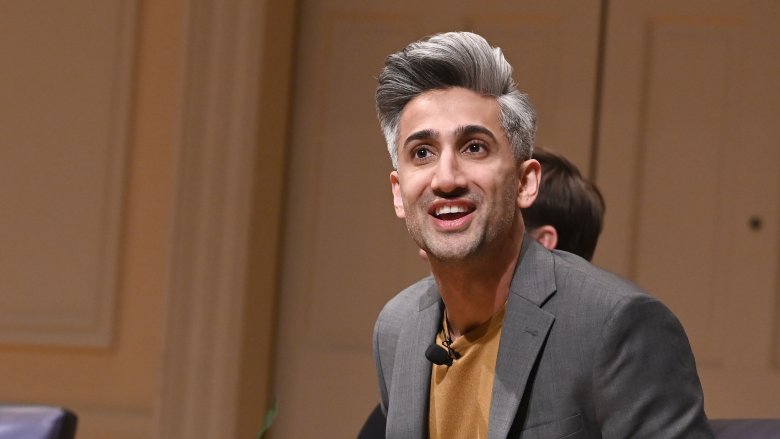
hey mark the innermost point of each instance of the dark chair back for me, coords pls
(374, 428)
(36, 422)
(746, 428)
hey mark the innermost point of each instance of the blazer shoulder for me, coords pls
(553, 279)
(573, 273)
(405, 304)
(587, 293)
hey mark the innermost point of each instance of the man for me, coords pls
(524, 342)
(568, 212)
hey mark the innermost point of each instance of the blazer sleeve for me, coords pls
(381, 353)
(385, 340)
(645, 379)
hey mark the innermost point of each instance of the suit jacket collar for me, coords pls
(524, 331)
(408, 413)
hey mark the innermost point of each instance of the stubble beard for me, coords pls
(463, 245)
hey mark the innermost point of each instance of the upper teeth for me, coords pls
(450, 209)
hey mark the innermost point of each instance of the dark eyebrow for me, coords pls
(421, 135)
(474, 129)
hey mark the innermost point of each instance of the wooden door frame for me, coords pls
(218, 169)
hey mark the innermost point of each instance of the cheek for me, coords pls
(506, 185)
(414, 187)
(510, 193)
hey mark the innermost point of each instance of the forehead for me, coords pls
(449, 109)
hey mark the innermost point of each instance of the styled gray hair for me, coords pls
(453, 59)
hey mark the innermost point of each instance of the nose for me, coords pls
(448, 176)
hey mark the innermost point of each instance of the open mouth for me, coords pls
(451, 212)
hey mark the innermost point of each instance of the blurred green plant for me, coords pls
(269, 419)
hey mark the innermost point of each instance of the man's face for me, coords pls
(458, 185)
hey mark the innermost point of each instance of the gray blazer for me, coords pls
(583, 354)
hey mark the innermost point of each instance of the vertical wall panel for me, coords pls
(689, 94)
(688, 156)
(64, 86)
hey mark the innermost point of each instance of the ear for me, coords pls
(546, 235)
(398, 202)
(530, 175)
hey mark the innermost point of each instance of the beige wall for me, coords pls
(171, 92)
(255, 395)
(180, 341)
(136, 50)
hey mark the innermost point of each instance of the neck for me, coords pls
(475, 289)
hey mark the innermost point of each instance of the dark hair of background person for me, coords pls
(569, 202)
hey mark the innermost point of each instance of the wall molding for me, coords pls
(64, 179)
(216, 170)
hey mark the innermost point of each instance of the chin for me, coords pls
(451, 254)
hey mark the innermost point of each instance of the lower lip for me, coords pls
(452, 225)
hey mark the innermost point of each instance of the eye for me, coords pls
(422, 153)
(475, 148)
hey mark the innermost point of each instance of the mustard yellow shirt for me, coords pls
(460, 394)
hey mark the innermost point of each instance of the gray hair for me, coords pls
(453, 59)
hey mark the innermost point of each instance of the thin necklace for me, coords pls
(448, 338)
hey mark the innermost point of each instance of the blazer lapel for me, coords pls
(524, 331)
(412, 371)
